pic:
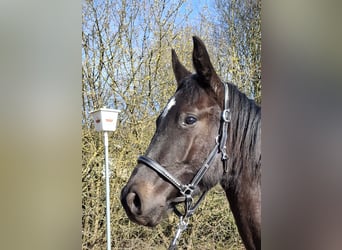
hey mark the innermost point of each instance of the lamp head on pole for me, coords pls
(105, 119)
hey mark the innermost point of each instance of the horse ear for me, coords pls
(178, 69)
(203, 66)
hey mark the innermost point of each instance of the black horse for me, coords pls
(208, 133)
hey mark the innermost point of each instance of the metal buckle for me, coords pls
(226, 116)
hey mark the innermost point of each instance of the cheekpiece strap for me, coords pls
(225, 120)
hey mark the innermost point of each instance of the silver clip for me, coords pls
(182, 226)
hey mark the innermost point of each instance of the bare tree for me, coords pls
(236, 37)
(126, 64)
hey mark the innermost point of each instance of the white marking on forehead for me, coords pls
(171, 103)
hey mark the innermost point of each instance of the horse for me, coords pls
(209, 133)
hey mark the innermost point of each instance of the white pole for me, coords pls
(105, 134)
(105, 120)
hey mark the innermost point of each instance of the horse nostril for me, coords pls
(137, 201)
(134, 203)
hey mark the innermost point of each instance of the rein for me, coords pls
(187, 190)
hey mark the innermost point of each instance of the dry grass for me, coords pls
(212, 226)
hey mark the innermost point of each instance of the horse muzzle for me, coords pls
(142, 206)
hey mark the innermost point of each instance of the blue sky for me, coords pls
(198, 5)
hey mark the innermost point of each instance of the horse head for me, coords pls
(186, 132)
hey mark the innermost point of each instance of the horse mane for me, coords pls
(244, 135)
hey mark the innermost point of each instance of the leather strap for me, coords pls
(161, 170)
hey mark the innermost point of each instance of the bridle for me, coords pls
(187, 190)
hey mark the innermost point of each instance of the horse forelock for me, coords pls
(193, 92)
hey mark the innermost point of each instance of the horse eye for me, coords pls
(190, 120)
